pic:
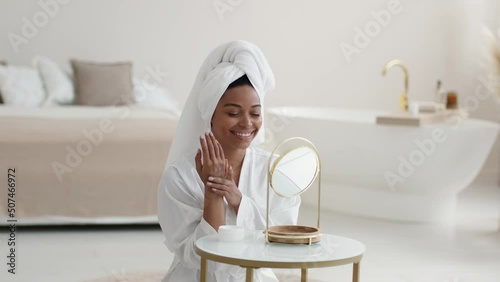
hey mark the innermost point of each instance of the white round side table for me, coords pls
(254, 252)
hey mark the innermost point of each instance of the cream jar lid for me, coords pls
(231, 233)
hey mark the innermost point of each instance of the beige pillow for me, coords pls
(2, 63)
(102, 84)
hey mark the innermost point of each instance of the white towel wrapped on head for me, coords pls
(223, 65)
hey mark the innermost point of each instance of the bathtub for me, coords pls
(392, 172)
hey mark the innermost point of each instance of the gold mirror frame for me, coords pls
(293, 234)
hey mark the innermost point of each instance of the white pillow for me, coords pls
(154, 96)
(58, 84)
(21, 86)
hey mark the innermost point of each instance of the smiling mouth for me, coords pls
(243, 135)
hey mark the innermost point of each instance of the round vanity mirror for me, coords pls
(293, 167)
(294, 171)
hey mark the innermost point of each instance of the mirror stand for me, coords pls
(298, 154)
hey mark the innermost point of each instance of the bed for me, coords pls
(82, 164)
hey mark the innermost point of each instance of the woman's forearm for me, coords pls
(213, 212)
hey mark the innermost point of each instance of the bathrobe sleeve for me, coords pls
(180, 213)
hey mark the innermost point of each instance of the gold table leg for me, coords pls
(203, 270)
(303, 275)
(249, 274)
(355, 272)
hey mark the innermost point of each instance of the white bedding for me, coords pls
(116, 173)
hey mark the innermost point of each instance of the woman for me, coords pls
(214, 174)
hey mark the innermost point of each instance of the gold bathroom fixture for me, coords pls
(403, 98)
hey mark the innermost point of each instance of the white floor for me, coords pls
(465, 251)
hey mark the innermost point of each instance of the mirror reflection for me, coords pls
(294, 171)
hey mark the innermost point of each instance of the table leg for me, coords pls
(303, 275)
(203, 270)
(249, 274)
(355, 272)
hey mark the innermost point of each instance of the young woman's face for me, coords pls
(237, 118)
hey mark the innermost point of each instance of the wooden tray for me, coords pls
(294, 234)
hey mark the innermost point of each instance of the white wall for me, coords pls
(301, 39)
(469, 62)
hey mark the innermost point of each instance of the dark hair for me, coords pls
(240, 82)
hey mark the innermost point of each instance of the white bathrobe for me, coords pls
(180, 212)
(181, 192)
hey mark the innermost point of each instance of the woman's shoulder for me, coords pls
(181, 173)
(182, 163)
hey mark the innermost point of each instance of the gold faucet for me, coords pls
(403, 98)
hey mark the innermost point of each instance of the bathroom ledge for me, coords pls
(406, 119)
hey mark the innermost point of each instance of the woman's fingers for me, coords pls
(230, 174)
(226, 188)
(197, 161)
(204, 148)
(221, 151)
(219, 182)
(217, 187)
(226, 167)
(215, 143)
(211, 149)
(211, 152)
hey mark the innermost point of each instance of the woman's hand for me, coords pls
(214, 163)
(210, 161)
(225, 186)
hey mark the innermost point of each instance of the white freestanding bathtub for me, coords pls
(386, 171)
